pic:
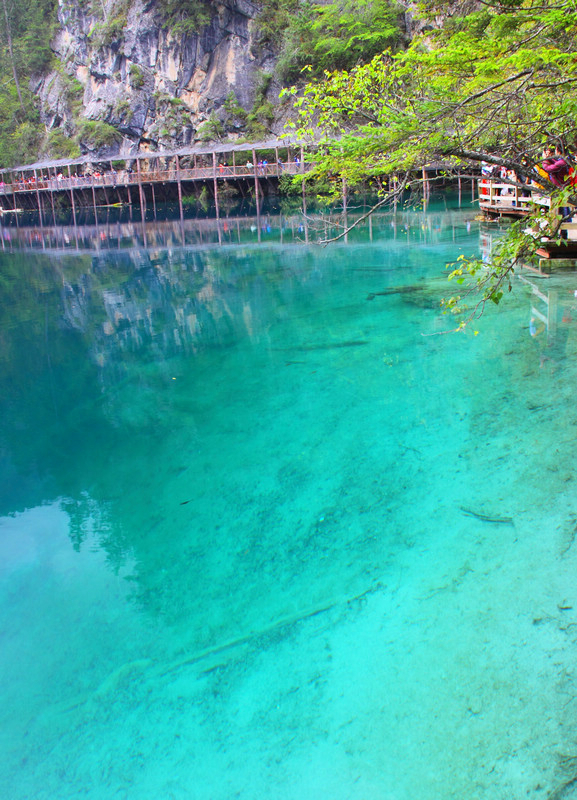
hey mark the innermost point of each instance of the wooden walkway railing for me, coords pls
(502, 198)
(144, 177)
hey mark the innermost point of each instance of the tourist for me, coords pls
(557, 170)
(555, 166)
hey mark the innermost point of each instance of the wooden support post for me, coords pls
(215, 185)
(182, 233)
(51, 189)
(13, 195)
(345, 222)
(153, 200)
(306, 225)
(255, 170)
(140, 190)
(14, 203)
(94, 200)
(38, 198)
(179, 188)
(72, 197)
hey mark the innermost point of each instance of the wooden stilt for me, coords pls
(52, 196)
(14, 204)
(179, 188)
(72, 197)
(345, 222)
(140, 190)
(255, 170)
(94, 200)
(38, 198)
(306, 226)
(215, 185)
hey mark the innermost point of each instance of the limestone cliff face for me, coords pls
(154, 89)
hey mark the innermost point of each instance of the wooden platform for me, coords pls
(501, 199)
(565, 252)
(144, 177)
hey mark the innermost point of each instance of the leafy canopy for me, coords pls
(335, 35)
(491, 85)
(25, 32)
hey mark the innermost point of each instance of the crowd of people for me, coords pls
(554, 166)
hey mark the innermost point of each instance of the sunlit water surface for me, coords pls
(269, 533)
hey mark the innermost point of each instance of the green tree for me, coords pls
(185, 16)
(26, 30)
(492, 85)
(336, 35)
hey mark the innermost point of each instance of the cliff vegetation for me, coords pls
(96, 76)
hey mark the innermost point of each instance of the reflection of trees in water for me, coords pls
(89, 352)
(91, 348)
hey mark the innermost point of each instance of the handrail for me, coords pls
(499, 195)
(114, 179)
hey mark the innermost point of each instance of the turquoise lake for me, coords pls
(268, 531)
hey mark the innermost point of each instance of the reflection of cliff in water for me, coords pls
(169, 300)
(139, 386)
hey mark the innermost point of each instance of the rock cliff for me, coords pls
(122, 80)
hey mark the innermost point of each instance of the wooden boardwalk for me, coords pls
(502, 199)
(498, 199)
(146, 178)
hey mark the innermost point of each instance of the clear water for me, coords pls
(268, 532)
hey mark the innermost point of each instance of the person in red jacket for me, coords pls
(555, 166)
(557, 169)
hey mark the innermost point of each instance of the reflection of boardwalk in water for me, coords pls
(124, 235)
